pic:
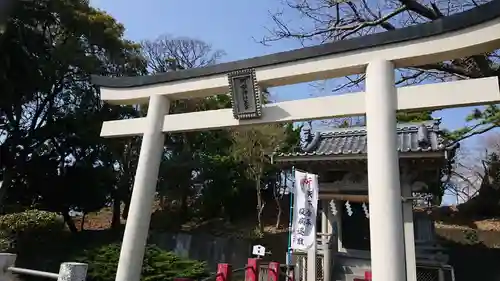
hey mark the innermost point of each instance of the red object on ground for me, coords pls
(223, 272)
(368, 275)
(274, 271)
(252, 270)
(183, 279)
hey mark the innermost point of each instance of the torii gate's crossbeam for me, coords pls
(419, 97)
(469, 33)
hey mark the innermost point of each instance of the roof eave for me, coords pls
(363, 156)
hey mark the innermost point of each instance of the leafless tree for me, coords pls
(467, 175)
(314, 22)
(471, 168)
(167, 53)
(491, 141)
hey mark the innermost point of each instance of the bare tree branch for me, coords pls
(314, 22)
(168, 53)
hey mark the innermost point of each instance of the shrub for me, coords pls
(29, 221)
(28, 224)
(5, 243)
(159, 265)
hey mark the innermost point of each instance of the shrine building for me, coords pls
(339, 158)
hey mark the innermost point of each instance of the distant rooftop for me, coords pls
(411, 137)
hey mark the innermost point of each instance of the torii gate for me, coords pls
(473, 32)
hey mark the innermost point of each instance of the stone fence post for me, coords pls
(69, 271)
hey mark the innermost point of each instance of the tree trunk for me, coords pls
(115, 220)
(278, 217)
(186, 155)
(125, 210)
(82, 223)
(163, 202)
(184, 206)
(260, 204)
(3, 189)
(69, 222)
(126, 206)
(3, 192)
(278, 192)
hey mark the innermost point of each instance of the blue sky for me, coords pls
(232, 26)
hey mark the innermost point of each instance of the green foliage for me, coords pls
(159, 265)
(30, 224)
(292, 139)
(471, 237)
(257, 233)
(224, 181)
(52, 155)
(30, 221)
(483, 120)
(253, 147)
(5, 243)
(409, 117)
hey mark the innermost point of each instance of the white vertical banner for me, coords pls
(305, 206)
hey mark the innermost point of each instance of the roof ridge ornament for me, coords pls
(423, 136)
(310, 140)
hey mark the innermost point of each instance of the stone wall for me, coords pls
(205, 247)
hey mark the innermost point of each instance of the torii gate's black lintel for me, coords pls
(476, 16)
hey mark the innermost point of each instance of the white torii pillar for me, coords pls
(384, 188)
(139, 214)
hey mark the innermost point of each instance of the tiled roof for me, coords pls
(412, 137)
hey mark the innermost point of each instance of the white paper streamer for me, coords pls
(365, 209)
(333, 207)
(348, 208)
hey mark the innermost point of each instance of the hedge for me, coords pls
(159, 265)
